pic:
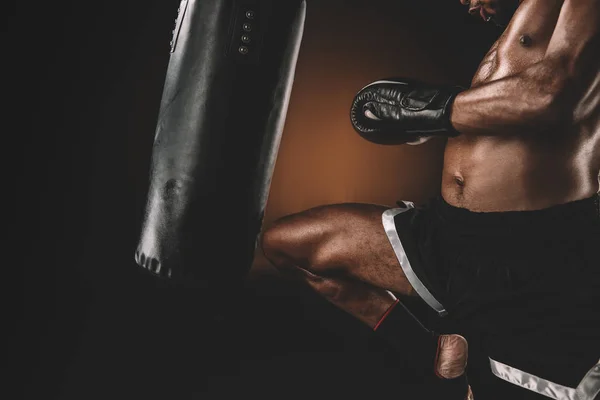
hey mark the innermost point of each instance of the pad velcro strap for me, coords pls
(419, 347)
(400, 328)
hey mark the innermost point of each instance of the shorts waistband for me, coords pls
(584, 212)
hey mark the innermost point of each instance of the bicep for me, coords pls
(576, 39)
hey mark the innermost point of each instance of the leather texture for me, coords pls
(403, 111)
(222, 113)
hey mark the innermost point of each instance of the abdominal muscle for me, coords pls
(489, 174)
(526, 172)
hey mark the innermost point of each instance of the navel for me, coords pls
(525, 40)
(459, 181)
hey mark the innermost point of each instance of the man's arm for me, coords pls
(544, 94)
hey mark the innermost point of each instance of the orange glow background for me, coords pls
(321, 159)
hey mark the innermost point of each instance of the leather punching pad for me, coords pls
(221, 119)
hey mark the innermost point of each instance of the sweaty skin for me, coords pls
(530, 123)
(530, 139)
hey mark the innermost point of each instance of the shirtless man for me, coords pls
(507, 255)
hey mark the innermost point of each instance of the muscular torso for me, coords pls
(492, 173)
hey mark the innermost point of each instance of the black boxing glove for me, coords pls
(401, 111)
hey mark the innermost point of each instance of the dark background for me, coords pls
(83, 83)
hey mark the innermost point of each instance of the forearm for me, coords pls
(401, 111)
(523, 103)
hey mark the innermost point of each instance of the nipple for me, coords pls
(525, 40)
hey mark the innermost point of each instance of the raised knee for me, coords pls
(272, 242)
(296, 240)
(313, 240)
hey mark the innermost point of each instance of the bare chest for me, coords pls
(523, 43)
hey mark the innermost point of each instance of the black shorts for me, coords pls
(522, 287)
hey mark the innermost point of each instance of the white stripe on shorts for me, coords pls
(588, 388)
(392, 234)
